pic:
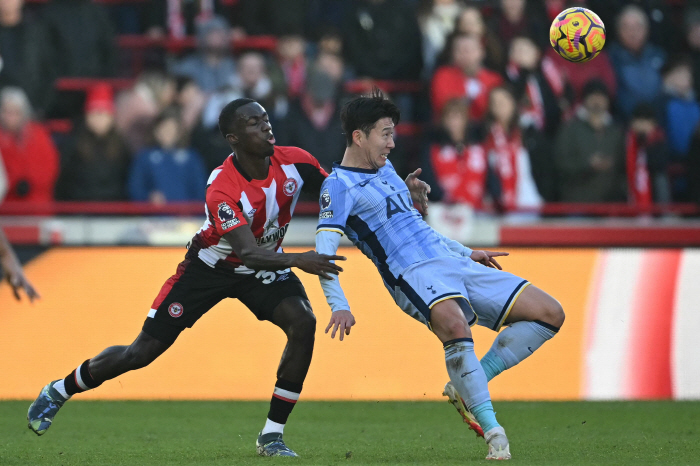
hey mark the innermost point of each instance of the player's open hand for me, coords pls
(419, 190)
(341, 320)
(17, 280)
(487, 258)
(318, 264)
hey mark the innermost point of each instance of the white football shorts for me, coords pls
(486, 295)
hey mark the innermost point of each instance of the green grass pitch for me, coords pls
(352, 433)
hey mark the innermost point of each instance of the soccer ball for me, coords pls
(577, 34)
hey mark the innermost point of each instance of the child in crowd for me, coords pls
(166, 172)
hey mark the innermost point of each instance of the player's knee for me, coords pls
(304, 327)
(554, 313)
(456, 327)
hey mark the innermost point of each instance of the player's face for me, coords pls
(253, 131)
(379, 143)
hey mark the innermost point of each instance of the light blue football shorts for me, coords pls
(486, 295)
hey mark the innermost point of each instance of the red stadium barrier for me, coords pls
(137, 41)
(101, 208)
(616, 209)
(566, 235)
(59, 125)
(95, 1)
(311, 208)
(83, 84)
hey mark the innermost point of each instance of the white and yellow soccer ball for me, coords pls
(577, 34)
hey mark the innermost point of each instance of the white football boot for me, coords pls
(498, 444)
(455, 400)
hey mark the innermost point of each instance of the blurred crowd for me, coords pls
(495, 118)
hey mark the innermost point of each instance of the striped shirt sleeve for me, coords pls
(327, 243)
(335, 204)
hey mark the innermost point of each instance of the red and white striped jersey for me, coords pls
(234, 199)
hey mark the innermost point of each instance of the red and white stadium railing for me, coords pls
(556, 225)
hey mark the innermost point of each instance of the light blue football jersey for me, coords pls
(373, 208)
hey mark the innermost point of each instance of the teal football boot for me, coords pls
(44, 409)
(272, 445)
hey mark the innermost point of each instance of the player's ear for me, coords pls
(231, 138)
(358, 136)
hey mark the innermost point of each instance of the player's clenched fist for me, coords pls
(341, 320)
(318, 264)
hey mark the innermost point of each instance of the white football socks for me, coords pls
(469, 379)
(60, 387)
(271, 426)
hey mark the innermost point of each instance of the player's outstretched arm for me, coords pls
(454, 245)
(13, 271)
(483, 257)
(254, 257)
(419, 190)
(341, 318)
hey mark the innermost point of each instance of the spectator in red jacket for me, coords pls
(647, 159)
(457, 168)
(512, 185)
(30, 156)
(465, 77)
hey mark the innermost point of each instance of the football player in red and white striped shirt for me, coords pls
(236, 254)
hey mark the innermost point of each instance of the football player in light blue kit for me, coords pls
(432, 278)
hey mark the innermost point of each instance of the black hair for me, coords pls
(169, 113)
(363, 113)
(644, 111)
(594, 86)
(228, 114)
(445, 57)
(530, 38)
(182, 81)
(676, 61)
